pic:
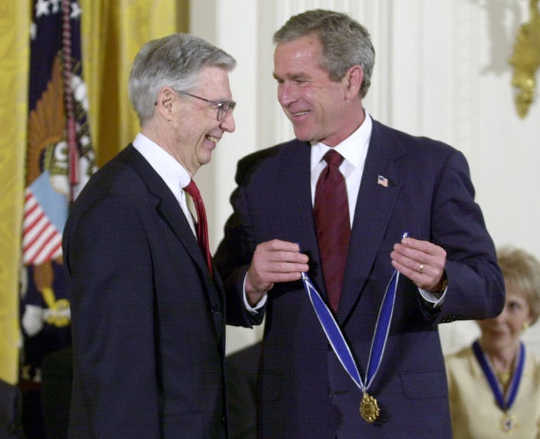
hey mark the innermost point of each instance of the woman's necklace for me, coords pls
(504, 377)
(504, 397)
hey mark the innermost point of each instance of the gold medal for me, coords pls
(508, 423)
(369, 408)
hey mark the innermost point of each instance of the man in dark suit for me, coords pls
(335, 202)
(147, 306)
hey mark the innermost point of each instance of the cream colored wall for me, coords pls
(441, 71)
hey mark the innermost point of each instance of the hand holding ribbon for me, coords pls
(421, 261)
(273, 261)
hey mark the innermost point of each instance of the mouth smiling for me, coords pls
(496, 331)
(212, 139)
(298, 114)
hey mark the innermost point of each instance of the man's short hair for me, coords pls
(174, 61)
(345, 42)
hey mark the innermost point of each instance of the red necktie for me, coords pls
(331, 213)
(202, 225)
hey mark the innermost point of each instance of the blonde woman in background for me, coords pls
(494, 385)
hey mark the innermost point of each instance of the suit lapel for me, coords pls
(168, 208)
(373, 210)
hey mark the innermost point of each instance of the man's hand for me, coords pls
(273, 261)
(422, 262)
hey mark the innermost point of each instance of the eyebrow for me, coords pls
(224, 101)
(292, 76)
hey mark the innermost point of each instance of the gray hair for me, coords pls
(345, 42)
(174, 61)
(521, 272)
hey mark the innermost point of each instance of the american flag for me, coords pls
(42, 240)
(382, 181)
(60, 159)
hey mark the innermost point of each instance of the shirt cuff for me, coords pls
(260, 303)
(435, 299)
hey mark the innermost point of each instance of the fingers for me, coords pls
(275, 261)
(421, 261)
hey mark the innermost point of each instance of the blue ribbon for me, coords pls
(503, 403)
(337, 340)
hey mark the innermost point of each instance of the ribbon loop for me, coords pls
(337, 340)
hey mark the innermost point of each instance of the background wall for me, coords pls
(441, 70)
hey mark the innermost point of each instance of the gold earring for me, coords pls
(525, 326)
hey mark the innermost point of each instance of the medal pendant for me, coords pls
(508, 423)
(369, 408)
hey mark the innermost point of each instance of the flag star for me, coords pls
(75, 10)
(42, 8)
(55, 5)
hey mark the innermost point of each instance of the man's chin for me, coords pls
(204, 159)
(303, 135)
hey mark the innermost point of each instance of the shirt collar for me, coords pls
(171, 172)
(353, 148)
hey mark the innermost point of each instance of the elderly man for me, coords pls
(147, 305)
(343, 193)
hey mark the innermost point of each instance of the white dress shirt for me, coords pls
(175, 176)
(354, 151)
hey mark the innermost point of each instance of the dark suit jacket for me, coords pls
(148, 325)
(305, 393)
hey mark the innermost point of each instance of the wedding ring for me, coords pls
(420, 268)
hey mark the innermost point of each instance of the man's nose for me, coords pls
(228, 124)
(286, 94)
(502, 315)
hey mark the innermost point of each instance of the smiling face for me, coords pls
(196, 130)
(504, 331)
(320, 109)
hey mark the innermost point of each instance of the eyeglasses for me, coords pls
(223, 107)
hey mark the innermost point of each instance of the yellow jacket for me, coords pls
(474, 411)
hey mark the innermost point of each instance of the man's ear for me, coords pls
(353, 79)
(165, 102)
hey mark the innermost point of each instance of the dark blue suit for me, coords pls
(148, 325)
(304, 391)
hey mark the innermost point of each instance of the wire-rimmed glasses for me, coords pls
(223, 107)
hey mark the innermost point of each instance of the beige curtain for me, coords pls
(14, 51)
(113, 31)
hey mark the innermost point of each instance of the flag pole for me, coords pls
(73, 154)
